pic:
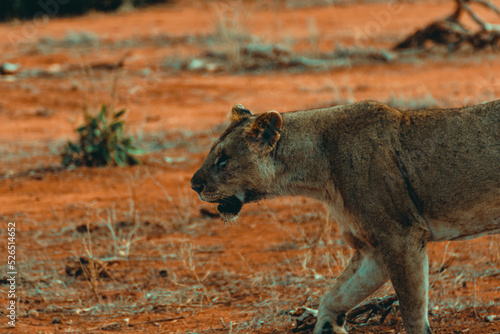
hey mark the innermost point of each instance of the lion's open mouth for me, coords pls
(230, 205)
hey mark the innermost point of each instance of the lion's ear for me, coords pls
(238, 112)
(265, 131)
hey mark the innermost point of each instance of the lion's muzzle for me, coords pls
(197, 183)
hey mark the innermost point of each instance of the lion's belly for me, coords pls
(481, 219)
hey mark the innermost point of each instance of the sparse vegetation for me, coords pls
(230, 35)
(101, 142)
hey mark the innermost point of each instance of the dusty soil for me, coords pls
(133, 249)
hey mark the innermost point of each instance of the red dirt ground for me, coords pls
(169, 266)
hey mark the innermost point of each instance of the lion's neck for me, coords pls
(301, 168)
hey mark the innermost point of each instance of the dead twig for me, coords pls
(306, 317)
(489, 5)
(382, 306)
(452, 33)
(107, 66)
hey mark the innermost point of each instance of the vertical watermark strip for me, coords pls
(11, 273)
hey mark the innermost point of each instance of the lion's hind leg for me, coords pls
(364, 274)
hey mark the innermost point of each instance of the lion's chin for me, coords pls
(228, 217)
(229, 208)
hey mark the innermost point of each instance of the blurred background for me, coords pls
(141, 88)
(179, 59)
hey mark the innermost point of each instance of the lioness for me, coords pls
(394, 180)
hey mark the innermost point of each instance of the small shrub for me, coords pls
(101, 142)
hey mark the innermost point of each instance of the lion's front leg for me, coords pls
(408, 267)
(364, 274)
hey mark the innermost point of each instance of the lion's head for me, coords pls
(239, 168)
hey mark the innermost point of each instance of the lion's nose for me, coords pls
(198, 187)
(196, 183)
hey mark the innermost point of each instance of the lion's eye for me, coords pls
(222, 161)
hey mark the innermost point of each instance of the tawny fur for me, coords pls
(393, 179)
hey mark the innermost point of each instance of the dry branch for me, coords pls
(377, 306)
(452, 33)
(306, 317)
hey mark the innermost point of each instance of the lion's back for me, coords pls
(442, 165)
